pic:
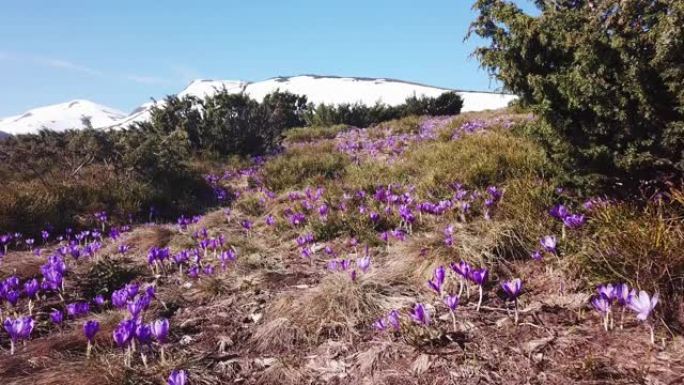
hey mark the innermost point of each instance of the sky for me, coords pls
(122, 53)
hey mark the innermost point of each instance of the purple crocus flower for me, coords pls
(323, 210)
(246, 224)
(384, 236)
(643, 304)
(440, 274)
(177, 377)
(297, 219)
(56, 317)
(435, 285)
(574, 221)
(406, 214)
(380, 325)
(479, 276)
(374, 217)
(512, 288)
(549, 243)
(399, 234)
(160, 330)
(393, 319)
(19, 328)
(99, 300)
(623, 294)
(119, 298)
(123, 332)
(536, 255)
(193, 272)
(12, 297)
(123, 249)
(31, 288)
(559, 212)
(132, 289)
(451, 301)
(72, 310)
(270, 220)
(90, 328)
(333, 265)
(143, 333)
(462, 268)
(601, 304)
(606, 291)
(135, 307)
(364, 263)
(420, 314)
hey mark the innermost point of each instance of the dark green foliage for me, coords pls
(226, 123)
(360, 115)
(606, 77)
(60, 179)
(448, 103)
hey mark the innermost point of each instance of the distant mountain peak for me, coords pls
(60, 117)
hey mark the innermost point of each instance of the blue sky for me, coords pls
(121, 53)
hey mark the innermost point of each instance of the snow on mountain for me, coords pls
(331, 90)
(318, 89)
(61, 117)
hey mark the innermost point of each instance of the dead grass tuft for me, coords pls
(336, 308)
(283, 373)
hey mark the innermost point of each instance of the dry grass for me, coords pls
(336, 308)
(283, 373)
(23, 265)
(144, 238)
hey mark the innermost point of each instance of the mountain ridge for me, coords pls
(328, 89)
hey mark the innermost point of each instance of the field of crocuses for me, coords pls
(440, 254)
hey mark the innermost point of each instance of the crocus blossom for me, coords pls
(513, 288)
(479, 276)
(643, 304)
(602, 305)
(549, 243)
(178, 377)
(90, 328)
(19, 328)
(451, 301)
(420, 314)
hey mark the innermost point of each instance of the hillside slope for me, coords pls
(338, 262)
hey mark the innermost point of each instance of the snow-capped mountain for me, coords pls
(331, 90)
(318, 89)
(60, 117)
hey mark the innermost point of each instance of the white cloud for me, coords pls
(146, 79)
(67, 65)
